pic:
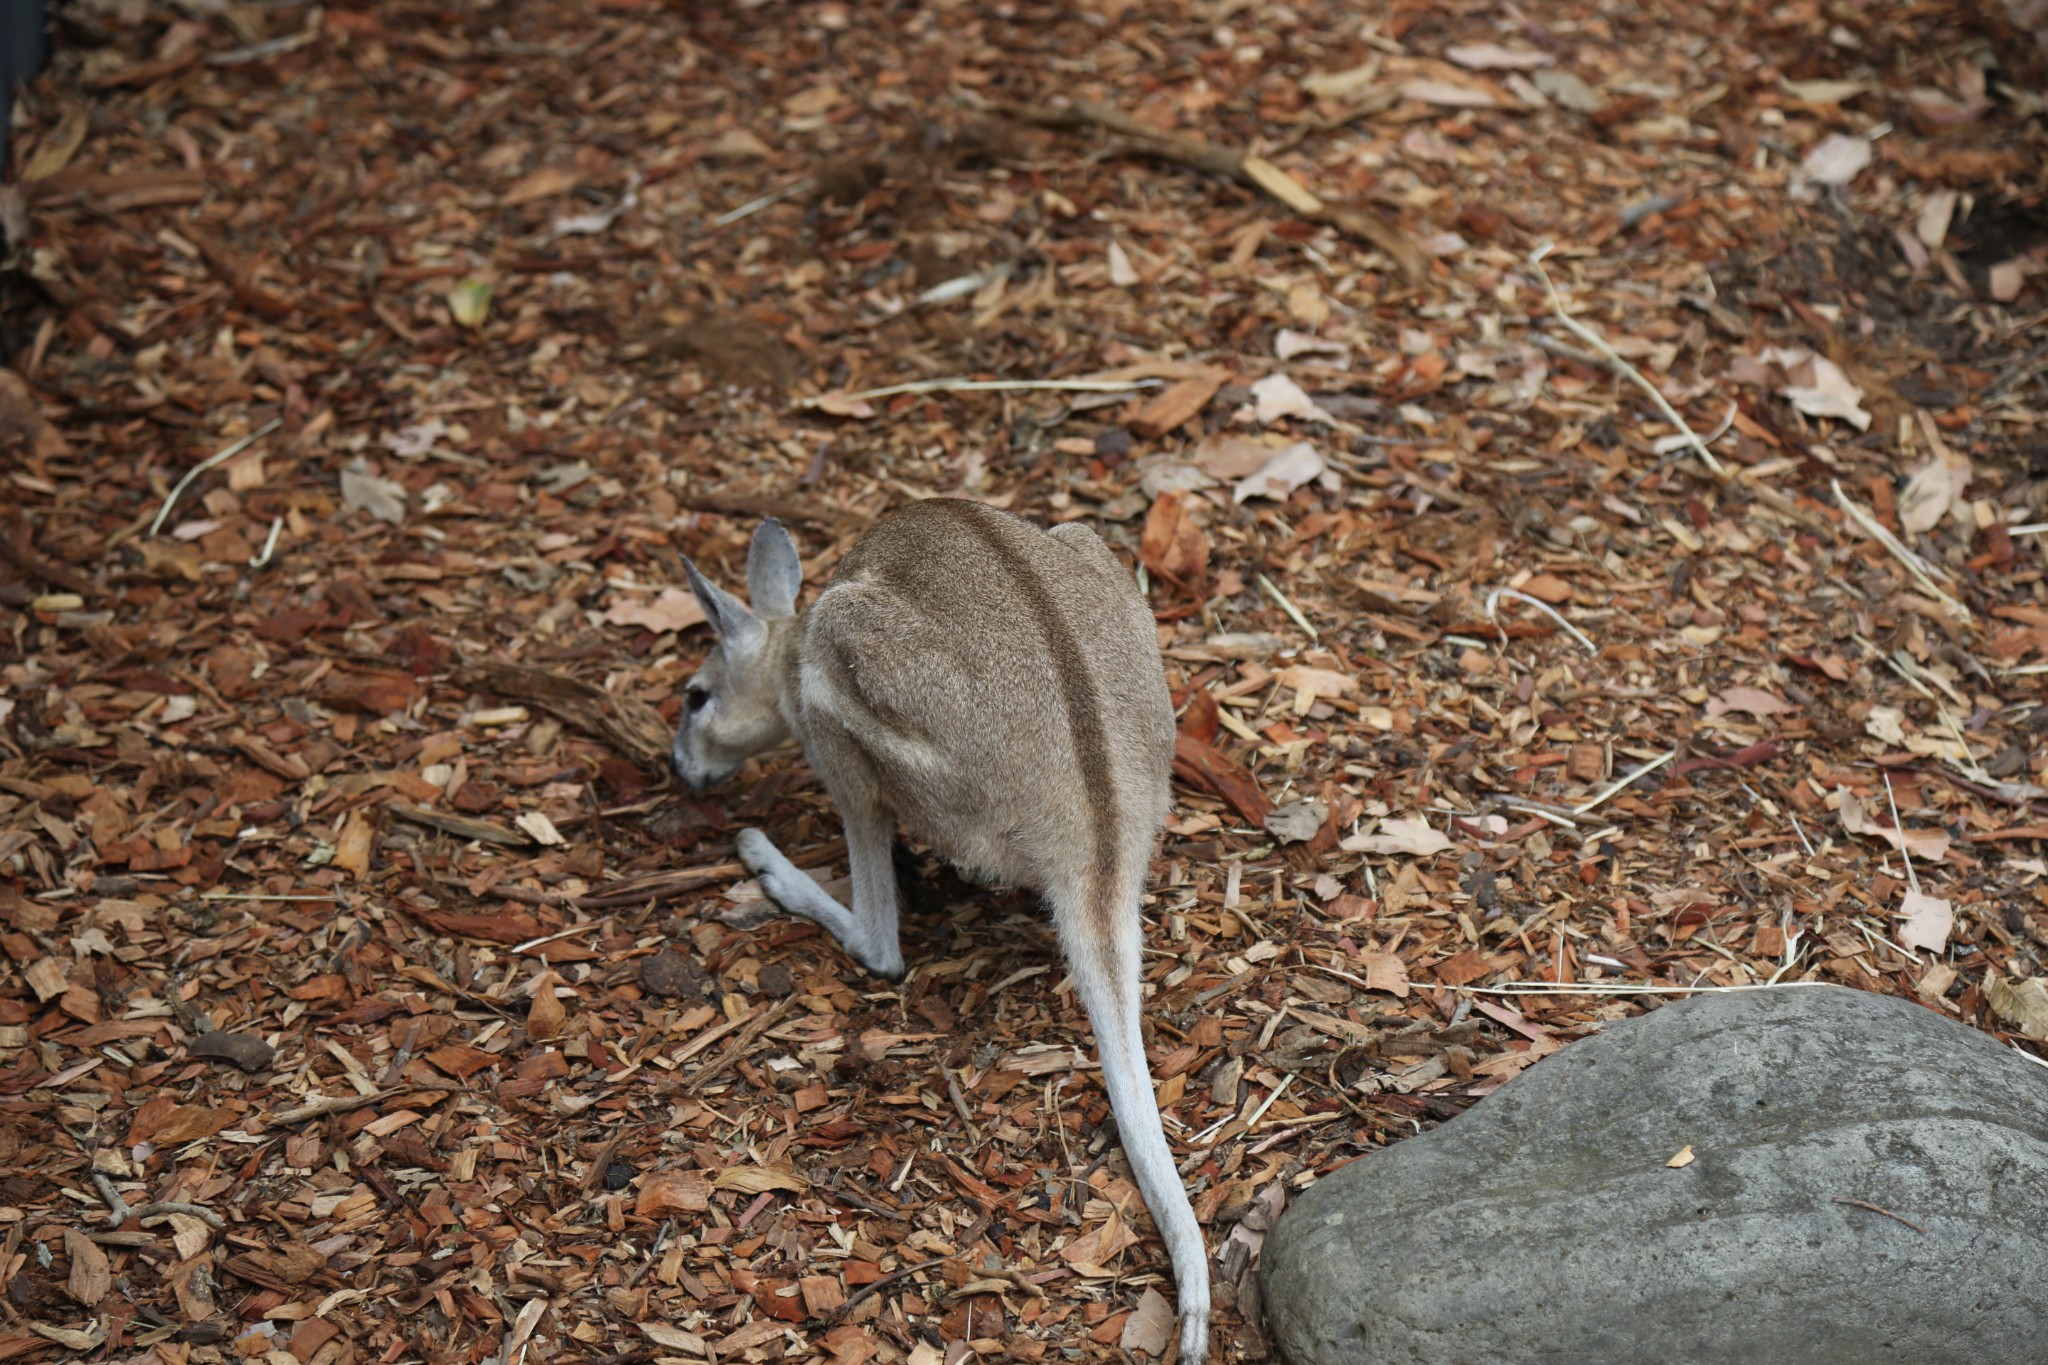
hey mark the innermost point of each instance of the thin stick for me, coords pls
(894, 1277)
(1493, 601)
(1618, 988)
(738, 1048)
(753, 206)
(1971, 768)
(1793, 936)
(569, 932)
(269, 545)
(1251, 1124)
(324, 1104)
(1535, 808)
(983, 386)
(158, 1208)
(1919, 568)
(1635, 776)
(118, 1211)
(1354, 220)
(960, 1107)
(1614, 357)
(233, 449)
(1666, 445)
(1866, 1204)
(1293, 612)
(1912, 878)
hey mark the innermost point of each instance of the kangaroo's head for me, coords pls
(731, 708)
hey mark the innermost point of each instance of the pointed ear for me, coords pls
(728, 616)
(774, 574)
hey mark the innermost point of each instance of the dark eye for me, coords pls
(695, 698)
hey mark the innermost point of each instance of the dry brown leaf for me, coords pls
(1172, 544)
(1413, 838)
(352, 844)
(674, 609)
(2023, 1004)
(668, 1192)
(59, 145)
(1282, 474)
(91, 1277)
(759, 1179)
(1928, 921)
(1317, 682)
(1385, 972)
(675, 1338)
(1092, 1253)
(1231, 457)
(1934, 488)
(1753, 701)
(1281, 185)
(545, 183)
(1178, 404)
(1930, 845)
(1494, 57)
(1452, 95)
(1149, 1328)
(546, 1015)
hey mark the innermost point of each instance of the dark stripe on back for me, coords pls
(1077, 688)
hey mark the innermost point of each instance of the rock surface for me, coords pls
(1544, 1225)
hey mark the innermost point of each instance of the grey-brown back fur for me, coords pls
(1012, 680)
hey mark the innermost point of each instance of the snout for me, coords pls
(686, 771)
(693, 773)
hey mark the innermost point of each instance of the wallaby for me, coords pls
(997, 690)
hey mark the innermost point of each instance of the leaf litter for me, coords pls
(367, 967)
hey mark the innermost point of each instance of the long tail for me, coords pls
(1102, 935)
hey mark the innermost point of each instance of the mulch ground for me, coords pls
(375, 996)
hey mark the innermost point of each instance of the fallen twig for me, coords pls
(1623, 783)
(1614, 357)
(118, 1211)
(228, 452)
(324, 1104)
(631, 726)
(1866, 1204)
(1493, 601)
(1293, 612)
(1921, 571)
(753, 206)
(159, 1208)
(1764, 751)
(655, 886)
(1619, 988)
(753, 1029)
(1231, 164)
(460, 826)
(873, 1287)
(980, 386)
(782, 509)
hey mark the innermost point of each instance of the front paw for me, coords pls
(756, 850)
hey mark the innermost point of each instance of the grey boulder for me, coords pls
(1546, 1225)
